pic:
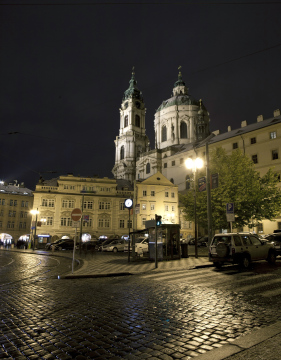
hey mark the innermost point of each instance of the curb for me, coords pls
(243, 343)
(95, 275)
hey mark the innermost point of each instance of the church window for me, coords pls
(164, 133)
(187, 182)
(165, 165)
(183, 130)
(137, 121)
(122, 152)
(148, 168)
(126, 121)
(173, 163)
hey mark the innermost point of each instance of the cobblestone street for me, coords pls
(127, 317)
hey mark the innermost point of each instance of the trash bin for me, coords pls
(184, 251)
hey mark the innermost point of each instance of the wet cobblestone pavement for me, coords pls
(118, 318)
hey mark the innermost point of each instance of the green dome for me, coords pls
(133, 91)
(178, 100)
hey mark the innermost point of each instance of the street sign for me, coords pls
(76, 214)
(202, 184)
(86, 218)
(75, 224)
(230, 212)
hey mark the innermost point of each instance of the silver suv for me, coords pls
(240, 248)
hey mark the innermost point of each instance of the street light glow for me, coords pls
(194, 164)
(34, 212)
(189, 163)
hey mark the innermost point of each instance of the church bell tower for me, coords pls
(132, 140)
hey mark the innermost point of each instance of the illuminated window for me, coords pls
(273, 135)
(152, 207)
(143, 206)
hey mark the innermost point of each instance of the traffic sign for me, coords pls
(76, 214)
(230, 212)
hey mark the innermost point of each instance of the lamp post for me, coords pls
(194, 165)
(34, 212)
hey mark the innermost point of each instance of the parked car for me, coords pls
(275, 239)
(240, 248)
(201, 241)
(141, 245)
(103, 243)
(115, 245)
(48, 245)
(89, 245)
(64, 245)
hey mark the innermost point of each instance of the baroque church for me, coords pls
(180, 120)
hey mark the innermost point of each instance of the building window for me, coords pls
(122, 152)
(183, 130)
(152, 193)
(275, 155)
(166, 194)
(235, 146)
(143, 206)
(65, 221)
(88, 205)
(100, 223)
(68, 204)
(255, 159)
(49, 220)
(104, 205)
(165, 165)
(173, 163)
(253, 140)
(88, 223)
(143, 221)
(172, 180)
(48, 202)
(273, 135)
(148, 168)
(126, 121)
(173, 208)
(137, 119)
(144, 193)
(4, 202)
(121, 224)
(164, 133)
(129, 224)
(122, 206)
(106, 223)
(172, 194)
(166, 207)
(152, 206)
(187, 182)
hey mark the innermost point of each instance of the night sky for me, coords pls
(65, 67)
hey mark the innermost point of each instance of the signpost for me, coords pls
(76, 215)
(230, 214)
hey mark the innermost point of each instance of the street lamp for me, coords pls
(194, 165)
(34, 212)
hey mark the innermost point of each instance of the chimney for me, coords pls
(216, 132)
(243, 123)
(276, 112)
(229, 128)
(260, 118)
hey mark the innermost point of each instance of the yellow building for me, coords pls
(16, 201)
(103, 206)
(155, 195)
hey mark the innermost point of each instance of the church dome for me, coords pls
(180, 96)
(133, 92)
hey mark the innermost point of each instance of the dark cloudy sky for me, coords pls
(64, 69)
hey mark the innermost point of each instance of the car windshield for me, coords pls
(225, 239)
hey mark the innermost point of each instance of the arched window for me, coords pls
(137, 120)
(122, 152)
(187, 182)
(126, 121)
(172, 180)
(164, 133)
(148, 168)
(183, 130)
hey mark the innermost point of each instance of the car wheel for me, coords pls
(271, 257)
(246, 262)
(222, 249)
(115, 250)
(218, 264)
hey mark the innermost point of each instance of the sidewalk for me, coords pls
(261, 344)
